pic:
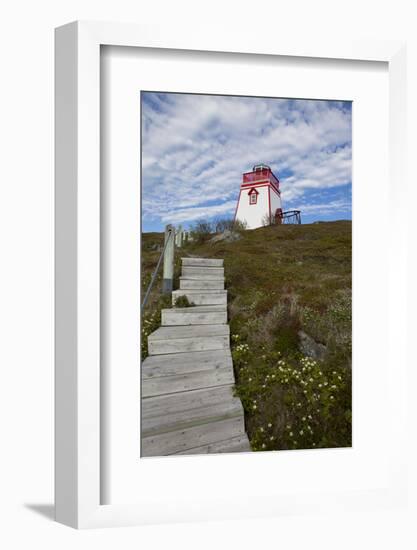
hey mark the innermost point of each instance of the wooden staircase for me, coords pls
(188, 405)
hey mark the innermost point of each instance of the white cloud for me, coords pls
(196, 213)
(339, 205)
(195, 149)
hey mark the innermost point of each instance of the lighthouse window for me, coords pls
(252, 198)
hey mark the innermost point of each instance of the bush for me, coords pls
(229, 224)
(201, 231)
(223, 224)
(238, 225)
(183, 301)
(292, 403)
(332, 327)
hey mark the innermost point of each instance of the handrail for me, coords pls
(155, 273)
(289, 215)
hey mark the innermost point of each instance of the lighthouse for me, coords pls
(259, 201)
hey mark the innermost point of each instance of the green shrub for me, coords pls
(182, 301)
(332, 327)
(239, 225)
(201, 231)
(223, 224)
(296, 403)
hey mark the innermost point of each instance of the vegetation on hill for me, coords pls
(289, 305)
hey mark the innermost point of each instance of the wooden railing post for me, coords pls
(168, 275)
(178, 237)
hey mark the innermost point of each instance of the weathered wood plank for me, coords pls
(181, 345)
(173, 364)
(174, 333)
(188, 381)
(180, 440)
(186, 401)
(192, 316)
(202, 297)
(180, 339)
(207, 273)
(183, 419)
(202, 309)
(201, 284)
(203, 270)
(202, 262)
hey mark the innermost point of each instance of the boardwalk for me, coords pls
(188, 405)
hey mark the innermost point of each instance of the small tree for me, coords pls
(229, 224)
(201, 230)
(240, 225)
(222, 224)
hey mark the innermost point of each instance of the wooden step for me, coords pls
(202, 297)
(201, 284)
(206, 273)
(173, 364)
(191, 437)
(190, 338)
(186, 401)
(202, 262)
(195, 315)
(238, 444)
(183, 419)
(186, 382)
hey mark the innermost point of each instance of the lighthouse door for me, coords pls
(278, 215)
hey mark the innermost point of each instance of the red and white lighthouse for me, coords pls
(259, 200)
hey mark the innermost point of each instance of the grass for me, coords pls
(282, 280)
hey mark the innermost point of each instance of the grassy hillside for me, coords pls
(289, 304)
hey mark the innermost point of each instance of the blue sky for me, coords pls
(196, 147)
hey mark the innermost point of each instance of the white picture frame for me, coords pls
(78, 426)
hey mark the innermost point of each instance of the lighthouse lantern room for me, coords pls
(259, 200)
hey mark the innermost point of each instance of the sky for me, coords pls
(195, 149)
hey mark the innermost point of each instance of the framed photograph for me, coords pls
(218, 269)
(246, 344)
